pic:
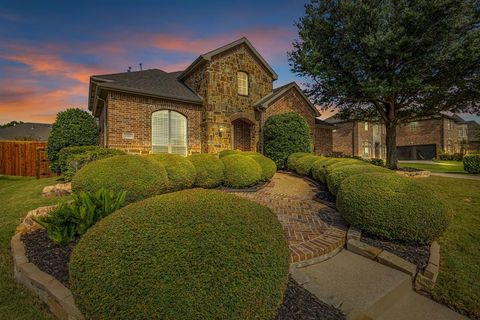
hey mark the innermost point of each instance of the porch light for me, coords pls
(221, 129)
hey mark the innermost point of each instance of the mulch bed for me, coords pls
(49, 257)
(324, 196)
(413, 253)
(409, 169)
(299, 304)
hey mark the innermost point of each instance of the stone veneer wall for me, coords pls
(216, 82)
(132, 114)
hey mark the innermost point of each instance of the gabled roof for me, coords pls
(208, 56)
(323, 124)
(152, 82)
(276, 93)
(28, 130)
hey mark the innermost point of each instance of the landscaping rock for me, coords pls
(58, 190)
(28, 225)
(396, 262)
(423, 283)
(354, 234)
(363, 249)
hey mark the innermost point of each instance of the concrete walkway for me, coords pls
(365, 289)
(315, 231)
(456, 175)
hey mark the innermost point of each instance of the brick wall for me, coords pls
(342, 138)
(323, 143)
(132, 114)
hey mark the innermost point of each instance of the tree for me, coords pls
(10, 124)
(285, 134)
(73, 127)
(393, 61)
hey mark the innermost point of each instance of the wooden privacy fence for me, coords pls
(24, 158)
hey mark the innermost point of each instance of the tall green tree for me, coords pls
(392, 61)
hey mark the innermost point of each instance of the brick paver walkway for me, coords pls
(313, 229)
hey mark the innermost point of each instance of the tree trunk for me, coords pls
(391, 139)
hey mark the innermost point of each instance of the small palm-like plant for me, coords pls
(75, 218)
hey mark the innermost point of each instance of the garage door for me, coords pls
(418, 152)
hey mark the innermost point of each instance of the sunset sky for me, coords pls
(48, 49)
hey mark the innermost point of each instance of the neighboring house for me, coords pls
(417, 140)
(468, 135)
(26, 131)
(358, 138)
(221, 101)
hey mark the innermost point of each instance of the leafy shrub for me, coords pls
(225, 153)
(304, 165)
(471, 163)
(450, 156)
(337, 175)
(344, 162)
(209, 170)
(73, 127)
(293, 158)
(181, 172)
(285, 134)
(319, 168)
(196, 254)
(72, 159)
(140, 176)
(391, 206)
(267, 165)
(75, 218)
(241, 171)
(377, 162)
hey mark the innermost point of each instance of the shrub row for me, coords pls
(143, 177)
(375, 199)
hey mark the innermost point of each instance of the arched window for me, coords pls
(169, 132)
(242, 81)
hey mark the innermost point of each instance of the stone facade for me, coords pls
(224, 119)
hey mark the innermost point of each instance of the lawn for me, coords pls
(438, 166)
(458, 282)
(18, 195)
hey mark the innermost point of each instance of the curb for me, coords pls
(423, 280)
(52, 292)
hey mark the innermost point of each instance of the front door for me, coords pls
(242, 136)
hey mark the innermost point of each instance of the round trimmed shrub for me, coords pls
(141, 177)
(337, 175)
(225, 153)
(294, 157)
(319, 168)
(181, 172)
(72, 127)
(241, 171)
(285, 134)
(304, 165)
(471, 163)
(393, 207)
(192, 254)
(267, 165)
(209, 170)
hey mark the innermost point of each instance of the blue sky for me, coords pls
(48, 49)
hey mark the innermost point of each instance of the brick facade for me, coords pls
(132, 114)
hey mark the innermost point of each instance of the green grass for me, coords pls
(18, 195)
(438, 166)
(457, 284)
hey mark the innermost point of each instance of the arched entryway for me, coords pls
(242, 134)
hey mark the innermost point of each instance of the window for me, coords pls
(367, 149)
(242, 81)
(414, 125)
(366, 126)
(169, 132)
(449, 146)
(449, 125)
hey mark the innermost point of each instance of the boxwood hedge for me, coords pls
(319, 168)
(392, 206)
(304, 165)
(139, 176)
(181, 172)
(225, 153)
(267, 165)
(241, 171)
(336, 175)
(209, 170)
(294, 157)
(193, 254)
(471, 163)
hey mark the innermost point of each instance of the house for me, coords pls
(416, 140)
(468, 135)
(26, 131)
(220, 101)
